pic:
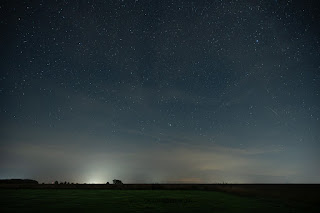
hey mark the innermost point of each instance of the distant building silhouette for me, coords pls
(18, 181)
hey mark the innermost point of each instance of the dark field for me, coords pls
(176, 198)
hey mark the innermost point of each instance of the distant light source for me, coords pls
(96, 181)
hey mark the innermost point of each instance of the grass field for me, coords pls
(82, 200)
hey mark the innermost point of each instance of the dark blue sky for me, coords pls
(160, 91)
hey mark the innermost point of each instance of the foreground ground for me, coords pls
(103, 200)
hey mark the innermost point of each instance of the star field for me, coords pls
(160, 91)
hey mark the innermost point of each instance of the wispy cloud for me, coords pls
(161, 163)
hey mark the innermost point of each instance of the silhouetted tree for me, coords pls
(118, 182)
(107, 183)
(56, 182)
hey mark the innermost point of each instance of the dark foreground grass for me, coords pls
(67, 200)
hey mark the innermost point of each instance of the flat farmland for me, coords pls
(90, 198)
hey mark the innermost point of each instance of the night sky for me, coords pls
(170, 91)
